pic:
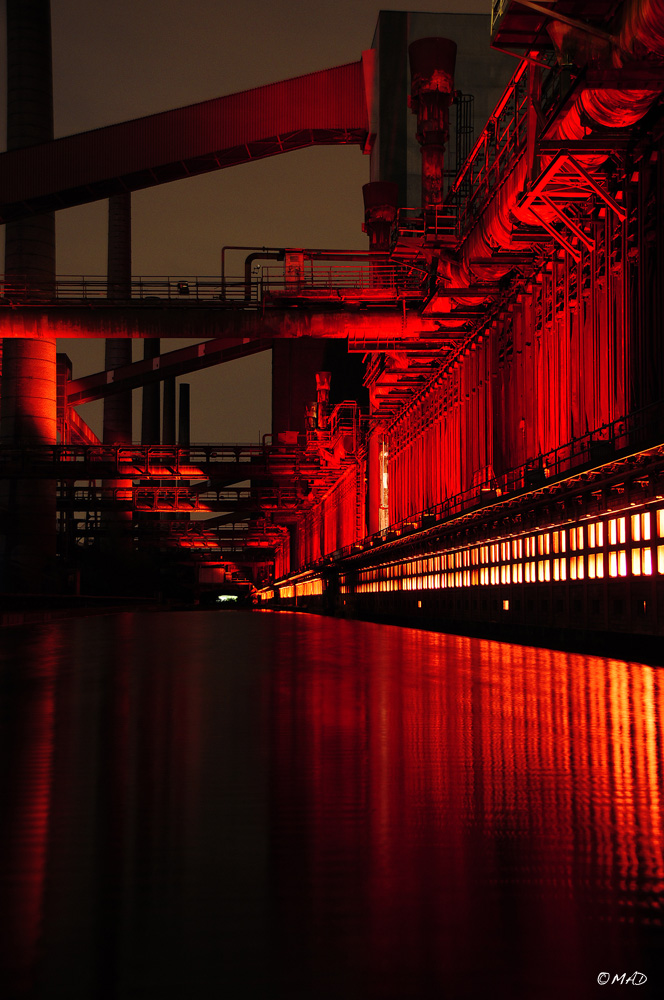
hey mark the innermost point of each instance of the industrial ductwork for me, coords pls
(634, 59)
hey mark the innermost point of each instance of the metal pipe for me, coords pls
(260, 255)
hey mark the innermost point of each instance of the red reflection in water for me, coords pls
(447, 793)
(25, 793)
(291, 806)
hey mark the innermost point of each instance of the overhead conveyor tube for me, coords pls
(639, 44)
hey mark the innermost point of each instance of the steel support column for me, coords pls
(29, 365)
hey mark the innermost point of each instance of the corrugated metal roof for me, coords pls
(320, 108)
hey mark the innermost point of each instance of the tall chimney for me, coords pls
(432, 62)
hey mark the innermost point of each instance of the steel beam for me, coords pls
(170, 365)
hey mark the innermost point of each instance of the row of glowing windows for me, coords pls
(593, 566)
(307, 588)
(498, 560)
(576, 539)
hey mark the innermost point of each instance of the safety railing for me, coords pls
(326, 278)
(94, 462)
(369, 277)
(155, 497)
(504, 137)
(91, 288)
(438, 224)
(133, 460)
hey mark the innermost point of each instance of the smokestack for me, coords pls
(151, 399)
(29, 365)
(117, 408)
(432, 62)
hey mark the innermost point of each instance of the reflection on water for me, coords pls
(276, 805)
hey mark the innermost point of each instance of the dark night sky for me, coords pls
(120, 60)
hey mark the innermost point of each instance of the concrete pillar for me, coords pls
(117, 428)
(184, 416)
(28, 419)
(117, 408)
(151, 399)
(184, 430)
(168, 416)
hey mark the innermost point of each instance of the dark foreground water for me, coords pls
(265, 805)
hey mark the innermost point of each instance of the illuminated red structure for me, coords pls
(501, 461)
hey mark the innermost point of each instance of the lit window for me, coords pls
(506, 605)
(517, 574)
(591, 561)
(559, 569)
(579, 537)
(636, 528)
(622, 561)
(579, 567)
(613, 535)
(647, 562)
(660, 523)
(645, 526)
(600, 533)
(660, 559)
(599, 564)
(636, 562)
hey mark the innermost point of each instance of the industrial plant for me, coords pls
(466, 415)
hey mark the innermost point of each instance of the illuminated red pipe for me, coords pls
(641, 35)
(640, 42)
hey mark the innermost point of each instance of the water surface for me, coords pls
(280, 805)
